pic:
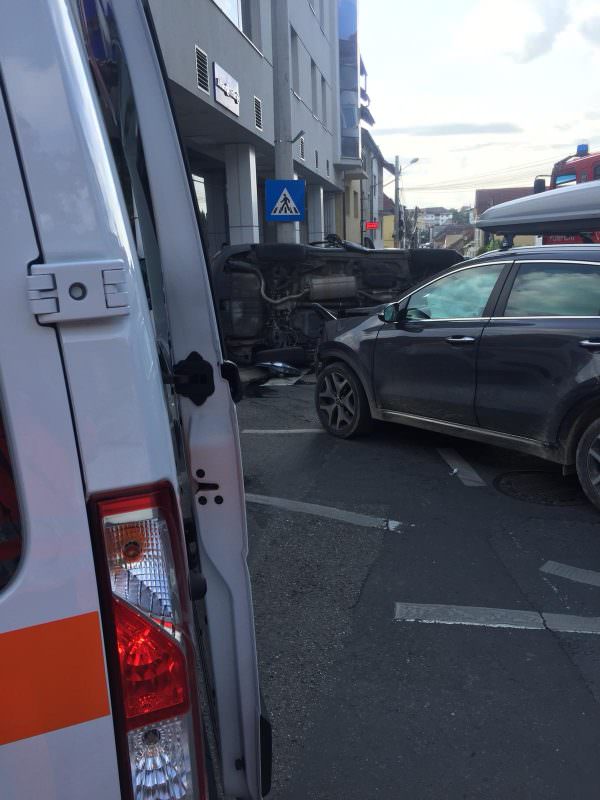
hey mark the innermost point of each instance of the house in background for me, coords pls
(433, 217)
(388, 221)
(377, 170)
(486, 198)
(454, 236)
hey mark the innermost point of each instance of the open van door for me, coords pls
(121, 37)
(131, 86)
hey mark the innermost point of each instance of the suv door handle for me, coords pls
(590, 345)
(460, 339)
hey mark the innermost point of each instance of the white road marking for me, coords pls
(282, 430)
(468, 615)
(461, 468)
(316, 510)
(569, 623)
(571, 573)
(495, 618)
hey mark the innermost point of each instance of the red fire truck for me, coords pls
(578, 168)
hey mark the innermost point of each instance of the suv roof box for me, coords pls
(572, 209)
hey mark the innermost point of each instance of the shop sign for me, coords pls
(227, 90)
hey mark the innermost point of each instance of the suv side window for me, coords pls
(461, 295)
(555, 290)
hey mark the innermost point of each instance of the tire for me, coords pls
(341, 402)
(587, 462)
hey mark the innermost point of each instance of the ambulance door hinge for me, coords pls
(74, 291)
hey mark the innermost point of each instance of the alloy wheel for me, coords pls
(593, 463)
(337, 401)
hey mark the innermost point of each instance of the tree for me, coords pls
(460, 217)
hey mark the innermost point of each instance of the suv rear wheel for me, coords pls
(341, 402)
(587, 462)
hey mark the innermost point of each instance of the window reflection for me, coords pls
(459, 296)
(567, 289)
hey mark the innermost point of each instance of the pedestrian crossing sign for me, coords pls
(284, 201)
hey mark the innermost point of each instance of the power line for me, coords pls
(511, 173)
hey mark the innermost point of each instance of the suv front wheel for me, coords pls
(341, 402)
(587, 462)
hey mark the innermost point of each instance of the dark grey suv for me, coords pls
(503, 349)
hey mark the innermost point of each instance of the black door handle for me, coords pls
(460, 339)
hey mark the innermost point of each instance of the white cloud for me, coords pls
(590, 30)
(554, 18)
(521, 30)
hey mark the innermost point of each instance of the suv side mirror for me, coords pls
(539, 185)
(395, 312)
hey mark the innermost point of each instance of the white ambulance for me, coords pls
(126, 625)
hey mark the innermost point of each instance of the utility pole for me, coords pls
(397, 202)
(282, 98)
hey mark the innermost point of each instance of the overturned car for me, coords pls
(274, 299)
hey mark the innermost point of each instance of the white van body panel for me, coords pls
(112, 366)
(73, 763)
(56, 578)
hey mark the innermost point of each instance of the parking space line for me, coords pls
(468, 615)
(339, 514)
(461, 468)
(495, 618)
(281, 430)
(571, 573)
(569, 623)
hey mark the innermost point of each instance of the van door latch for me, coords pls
(74, 291)
(193, 378)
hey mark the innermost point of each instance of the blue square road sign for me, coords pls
(284, 201)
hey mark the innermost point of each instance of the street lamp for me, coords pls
(397, 174)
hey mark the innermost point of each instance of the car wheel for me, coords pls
(341, 402)
(587, 462)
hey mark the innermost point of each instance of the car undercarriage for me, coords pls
(273, 300)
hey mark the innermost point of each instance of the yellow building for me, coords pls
(388, 221)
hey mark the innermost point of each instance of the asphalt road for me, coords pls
(365, 705)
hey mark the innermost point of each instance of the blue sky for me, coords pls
(484, 93)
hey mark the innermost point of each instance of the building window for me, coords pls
(295, 62)
(302, 150)
(324, 100)
(348, 82)
(327, 167)
(316, 159)
(355, 205)
(314, 83)
(238, 12)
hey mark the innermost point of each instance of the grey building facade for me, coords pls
(219, 58)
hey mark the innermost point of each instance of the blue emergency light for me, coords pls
(583, 150)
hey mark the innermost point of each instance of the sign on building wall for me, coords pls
(227, 90)
(284, 201)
